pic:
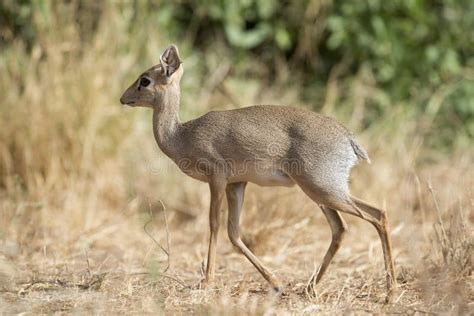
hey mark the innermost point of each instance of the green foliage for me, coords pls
(412, 52)
(411, 49)
(15, 21)
(244, 24)
(406, 42)
(414, 49)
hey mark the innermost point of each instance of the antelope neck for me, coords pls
(166, 122)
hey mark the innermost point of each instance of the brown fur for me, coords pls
(264, 144)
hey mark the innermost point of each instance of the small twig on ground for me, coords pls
(339, 295)
(164, 275)
(94, 282)
(88, 263)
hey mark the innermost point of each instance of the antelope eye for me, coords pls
(144, 82)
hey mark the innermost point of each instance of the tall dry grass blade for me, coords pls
(145, 228)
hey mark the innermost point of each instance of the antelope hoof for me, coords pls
(277, 286)
(391, 295)
(204, 284)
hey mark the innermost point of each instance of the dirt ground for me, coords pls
(114, 264)
(94, 219)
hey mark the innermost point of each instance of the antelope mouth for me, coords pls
(130, 103)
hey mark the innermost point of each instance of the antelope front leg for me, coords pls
(217, 187)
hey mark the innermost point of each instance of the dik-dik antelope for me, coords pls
(266, 145)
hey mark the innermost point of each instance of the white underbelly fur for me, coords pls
(259, 176)
(269, 177)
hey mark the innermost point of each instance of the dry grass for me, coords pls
(80, 176)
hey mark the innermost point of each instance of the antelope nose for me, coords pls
(122, 100)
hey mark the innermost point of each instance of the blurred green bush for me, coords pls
(415, 53)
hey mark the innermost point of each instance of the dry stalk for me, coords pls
(422, 207)
(438, 211)
(453, 241)
(145, 228)
(88, 263)
(168, 243)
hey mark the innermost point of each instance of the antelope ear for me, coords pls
(170, 61)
